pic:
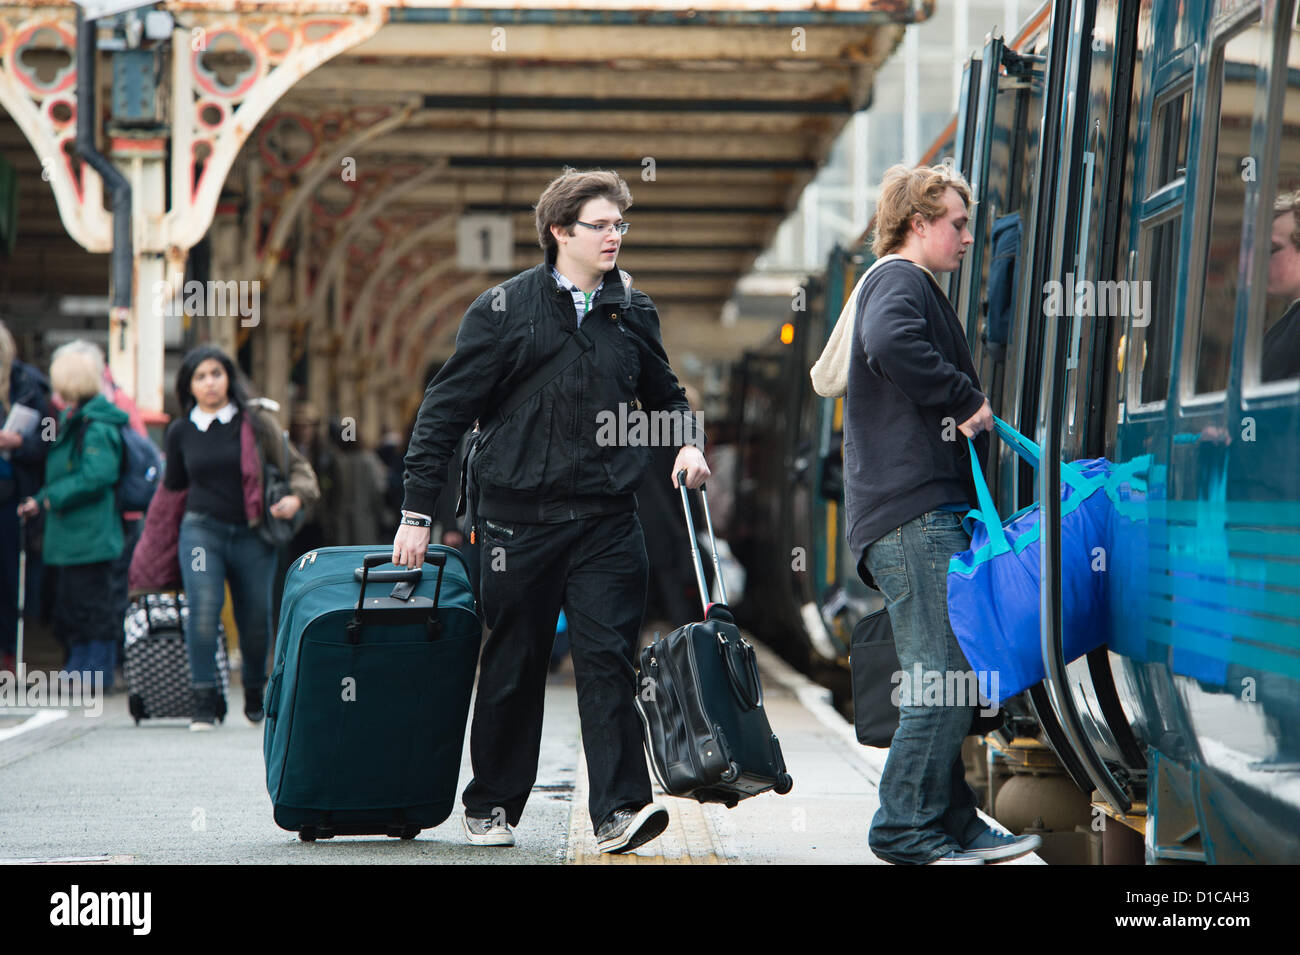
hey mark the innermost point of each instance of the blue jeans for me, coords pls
(211, 553)
(926, 807)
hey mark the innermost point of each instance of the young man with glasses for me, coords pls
(554, 511)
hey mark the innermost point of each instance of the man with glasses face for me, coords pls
(554, 511)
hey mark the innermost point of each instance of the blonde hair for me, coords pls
(907, 192)
(77, 371)
(1289, 202)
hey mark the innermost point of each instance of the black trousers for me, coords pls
(84, 608)
(595, 568)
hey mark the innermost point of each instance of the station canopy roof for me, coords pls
(717, 113)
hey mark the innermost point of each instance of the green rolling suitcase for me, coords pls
(369, 696)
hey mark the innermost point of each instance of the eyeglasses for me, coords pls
(603, 227)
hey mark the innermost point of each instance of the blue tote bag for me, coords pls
(993, 588)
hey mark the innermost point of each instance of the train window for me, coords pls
(1235, 74)
(1150, 340)
(1170, 137)
(1277, 356)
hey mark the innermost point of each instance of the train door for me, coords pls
(1098, 304)
(997, 141)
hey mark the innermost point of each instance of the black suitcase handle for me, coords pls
(705, 597)
(742, 673)
(405, 587)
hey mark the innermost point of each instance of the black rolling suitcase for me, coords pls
(701, 703)
(156, 663)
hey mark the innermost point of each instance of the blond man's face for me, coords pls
(943, 241)
(1284, 259)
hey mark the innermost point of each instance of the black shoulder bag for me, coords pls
(275, 485)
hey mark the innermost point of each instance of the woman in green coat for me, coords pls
(83, 529)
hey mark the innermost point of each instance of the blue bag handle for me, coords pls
(1030, 451)
(988, 511)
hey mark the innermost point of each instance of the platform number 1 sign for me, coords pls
(485, 242)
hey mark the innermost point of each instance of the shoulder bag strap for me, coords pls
(577, 344)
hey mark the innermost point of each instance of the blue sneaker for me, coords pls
(993, 846)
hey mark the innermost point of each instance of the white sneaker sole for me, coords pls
(496, 838)
(1006, 853)
(202, 727)
(647, 824)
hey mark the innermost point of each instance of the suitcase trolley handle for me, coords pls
(695, 547)
(743, 675)
(404, 587)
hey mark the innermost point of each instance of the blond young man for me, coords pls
(907, 484)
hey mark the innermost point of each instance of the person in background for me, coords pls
(359, 478)
(1281, 349)
(132, 521)
(213, 487)
(306, 437)
(83, 529)
(22, 471)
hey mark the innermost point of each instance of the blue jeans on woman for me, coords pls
(212, 552)
(926, 807)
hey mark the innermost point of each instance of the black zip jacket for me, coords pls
(544, 464)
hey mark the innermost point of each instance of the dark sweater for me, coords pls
(207, 464)
(1281, 350)
(909, 370)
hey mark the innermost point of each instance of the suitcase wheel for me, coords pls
(784, 783)
(410, 832)
(307, 833)
(135, 703)
(732, 772)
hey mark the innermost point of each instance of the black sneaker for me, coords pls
(626, 829)
(205, 709)
(253, 707)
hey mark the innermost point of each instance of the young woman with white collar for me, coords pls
(215, 454)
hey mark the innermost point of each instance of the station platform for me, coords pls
(99, 789)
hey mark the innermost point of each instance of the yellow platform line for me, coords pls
(688, 840)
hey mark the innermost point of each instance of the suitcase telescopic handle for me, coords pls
(433, 557)
(378, 560)
(695, 548)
